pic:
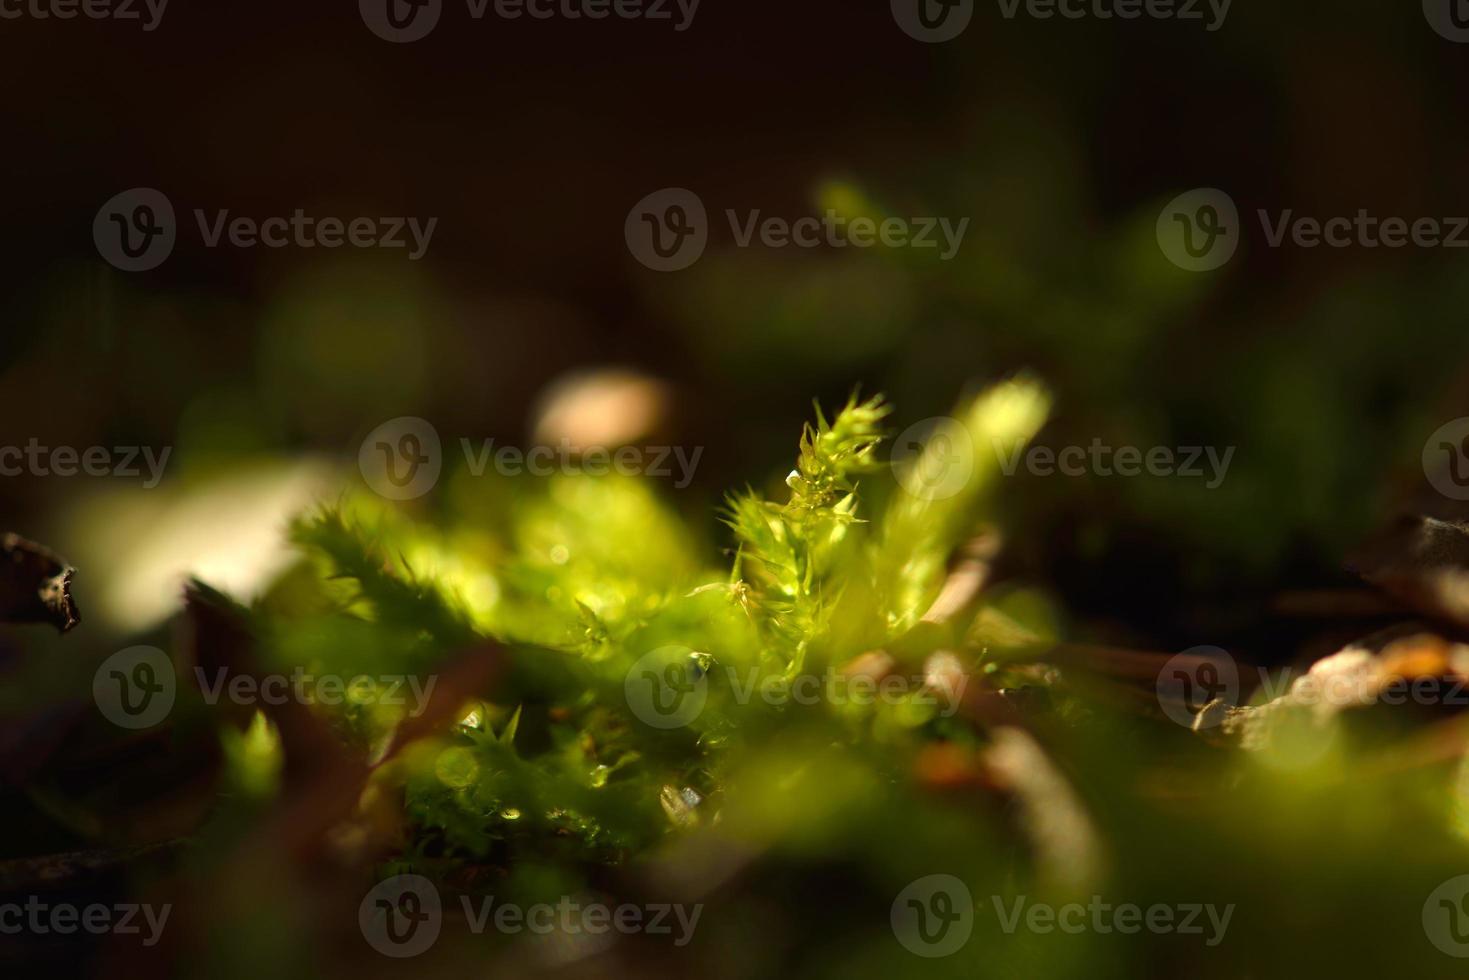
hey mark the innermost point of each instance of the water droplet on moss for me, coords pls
(680, 805)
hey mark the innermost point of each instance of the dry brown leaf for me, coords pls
(35, 585)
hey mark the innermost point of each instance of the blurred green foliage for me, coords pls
(798, 824)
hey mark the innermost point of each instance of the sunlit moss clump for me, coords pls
(594, 586)
(842, 698)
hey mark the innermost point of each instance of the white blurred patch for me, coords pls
(603, 408)
(137, 548)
